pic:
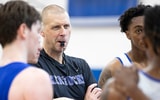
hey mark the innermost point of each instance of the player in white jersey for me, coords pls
(125, 60)
(143, 84)
(149, 85)
(131, 23)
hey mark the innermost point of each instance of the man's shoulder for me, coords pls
(31, 74)
(32, 78)
(34, 72)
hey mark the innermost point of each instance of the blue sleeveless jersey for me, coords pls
(7, 75)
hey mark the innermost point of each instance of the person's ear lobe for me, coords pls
(42, 33)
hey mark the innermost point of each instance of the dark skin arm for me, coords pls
(108, 71)
(105, 75)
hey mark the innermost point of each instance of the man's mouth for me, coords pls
(62, 43)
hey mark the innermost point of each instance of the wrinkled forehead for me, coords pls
(59, 18)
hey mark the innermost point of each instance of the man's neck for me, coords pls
(58, 56)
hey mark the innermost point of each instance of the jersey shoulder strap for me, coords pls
(124, 59)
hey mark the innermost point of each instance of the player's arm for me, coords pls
(108, 71)
(38, 86)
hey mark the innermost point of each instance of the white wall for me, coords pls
(97, 45)
(150, 2)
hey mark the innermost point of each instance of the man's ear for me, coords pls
(22, 31)
(127, 34)
(42, 33)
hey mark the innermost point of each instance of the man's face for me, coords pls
(56, 29)
(135, 32)
(34, 43)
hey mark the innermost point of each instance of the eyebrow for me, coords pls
(138, 26)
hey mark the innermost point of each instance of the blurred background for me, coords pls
(96, 35)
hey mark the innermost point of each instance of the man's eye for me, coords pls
(55, 27)
(66, 26)
(139, 31)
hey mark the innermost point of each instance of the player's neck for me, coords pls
(137, 56)
(13, 54)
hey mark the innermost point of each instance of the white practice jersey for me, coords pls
(149, 85)
(124, 59)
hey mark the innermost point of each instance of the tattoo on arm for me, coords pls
(104, 77)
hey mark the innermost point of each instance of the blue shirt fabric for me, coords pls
(7, 75)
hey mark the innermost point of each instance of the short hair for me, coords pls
(12, 15)
(152, 27)
(54, 9)
(125, 19)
